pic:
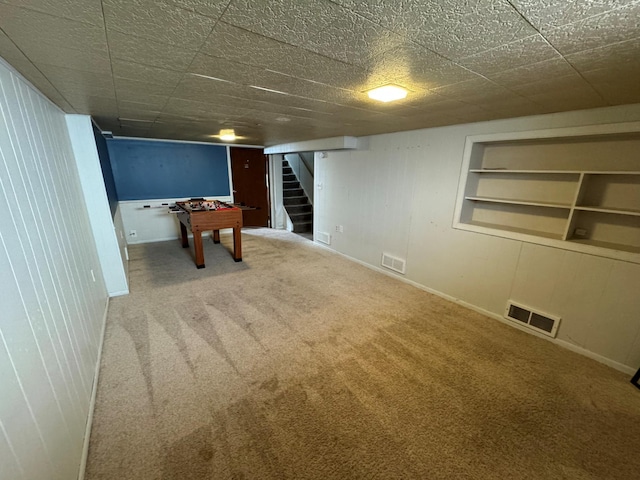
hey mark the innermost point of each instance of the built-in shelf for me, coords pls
(509, 228)
(519, 202)
(633, 213)
(576, 188)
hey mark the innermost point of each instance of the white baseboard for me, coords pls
(561, 343)
(92, 403)
(119, 293)
(207, 234)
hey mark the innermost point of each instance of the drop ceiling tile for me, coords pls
(548, 14)
(470, 88)
(353, 39)
(614, 26)
(571, 100)
(512, 55)
(209, 8)
(227, 70)
(418, 67)
(458, 29)
(82, 60)
(28, 70)
(78, 82)
(623, 54)
(547, 69)
(144, 73)
(27, 28)
(617, 86)
(380, 11)
(291, 21)
(567, 93)
(88, 11)
(152, 101)
(90, 105)
(148, 52)
(195, 108)
(138, 114)
(242, 46)
(128, 87)
(159, 21)
(572, 82)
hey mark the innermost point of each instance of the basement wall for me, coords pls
(398, 196)
(52, 308)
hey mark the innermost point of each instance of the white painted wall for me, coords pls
(51, 310)
(95, 196)
(398, 196)
(153, 224)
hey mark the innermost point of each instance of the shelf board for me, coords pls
(518, 202)
(560, 172)
(617, 211)
(507, 228)
(610, 246)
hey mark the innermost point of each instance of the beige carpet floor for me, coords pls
(299, 364)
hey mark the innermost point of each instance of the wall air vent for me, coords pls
(323, 237)
(541, 322)
(393, 263)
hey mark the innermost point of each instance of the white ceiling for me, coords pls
(135, 65)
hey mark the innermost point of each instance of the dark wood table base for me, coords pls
(210, 220)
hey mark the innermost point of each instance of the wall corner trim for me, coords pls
(92, 403)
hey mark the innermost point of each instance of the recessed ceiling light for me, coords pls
(227, 134)
(388, 93)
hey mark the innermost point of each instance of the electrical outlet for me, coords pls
(339, 229)
(580, 232)
(133, 233)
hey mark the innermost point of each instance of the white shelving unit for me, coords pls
(576, 188)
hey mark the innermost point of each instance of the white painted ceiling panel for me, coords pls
(140, 67)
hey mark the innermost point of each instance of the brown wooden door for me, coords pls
(249, 176)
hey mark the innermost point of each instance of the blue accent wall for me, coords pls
(107, 173)
(148, 169)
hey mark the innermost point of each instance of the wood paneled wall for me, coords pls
(52, 295)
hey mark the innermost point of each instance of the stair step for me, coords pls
(301, 217)
(293, 192)
(289, 177)
(303, 227)
(303, 208)
(290, 184)
(287, 170)
(299, 200)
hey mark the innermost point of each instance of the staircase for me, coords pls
(295, 201)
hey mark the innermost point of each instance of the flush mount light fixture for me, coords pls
(388, 93)
(227, 134)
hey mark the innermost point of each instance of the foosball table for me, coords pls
(200, 215)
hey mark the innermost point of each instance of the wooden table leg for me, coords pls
(216, 236)
(237, 244)
(197, 244)
(185, 237)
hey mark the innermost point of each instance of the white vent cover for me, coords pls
(323, 237)
(393, 263)
(527, 317)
